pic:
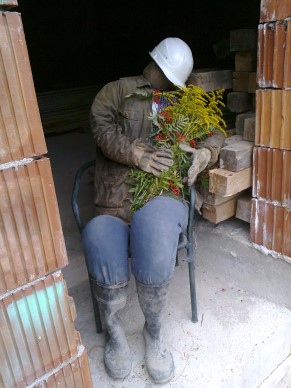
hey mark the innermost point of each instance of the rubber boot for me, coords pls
(117, 355)
(159, 360)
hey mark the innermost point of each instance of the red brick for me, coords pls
(268, 10)
(276, 118)
(277, 228)
(272, 10)
(287, 65)
(266, 112)
(274, 55)
(273, 114)
(287, 233)
(30, 227)
(75, 374)
(271, 226)
(285, 139)
(272, 175)
(268, 227)
(8, 3)
(279, 54)
(36, 330)
(21, 133)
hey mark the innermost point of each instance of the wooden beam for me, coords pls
(218, 213)
(225, 183)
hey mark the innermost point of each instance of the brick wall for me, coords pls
(271, 203)
(39, 345)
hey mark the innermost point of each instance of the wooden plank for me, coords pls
(243, 39)
(246, 60)
(240, 81)
(219, 213)
(211, 79)
(225, 183)
(211, 198)
(245, 81)
(66, 109)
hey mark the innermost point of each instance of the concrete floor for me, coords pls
(242, 335)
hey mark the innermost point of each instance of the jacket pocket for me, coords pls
(130, 122)
(111, 190)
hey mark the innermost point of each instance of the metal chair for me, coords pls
(185, 242)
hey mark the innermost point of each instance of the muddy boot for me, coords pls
(159, 360)
(117, 355)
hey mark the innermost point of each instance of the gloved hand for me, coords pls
(151, 159)
(200, 159)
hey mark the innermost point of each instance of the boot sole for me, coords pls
(163, 381)
(117, 376)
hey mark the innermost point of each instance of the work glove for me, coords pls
(151, 159)
(200, 159)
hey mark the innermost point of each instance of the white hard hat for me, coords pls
(175, 59)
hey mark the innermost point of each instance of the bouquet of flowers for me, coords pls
(186, 115)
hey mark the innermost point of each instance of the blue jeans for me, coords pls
(152, 239)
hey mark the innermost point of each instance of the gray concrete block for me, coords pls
(239, 102)
(249, 128)
(240, 121)
(237, 156)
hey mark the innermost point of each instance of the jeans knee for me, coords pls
(105, 245)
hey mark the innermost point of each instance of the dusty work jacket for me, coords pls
(117, 123)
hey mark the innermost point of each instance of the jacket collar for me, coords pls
(140, 80)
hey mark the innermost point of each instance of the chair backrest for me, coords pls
(75, 192)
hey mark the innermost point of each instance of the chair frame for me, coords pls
(185, 242)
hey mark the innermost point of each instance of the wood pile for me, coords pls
(67, 109)
(228, 193)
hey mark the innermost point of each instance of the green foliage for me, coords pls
(191, 116)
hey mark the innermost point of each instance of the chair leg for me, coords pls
(193, 292)
(98, 321)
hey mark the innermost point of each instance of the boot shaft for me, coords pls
(110, 301)
(153, 301)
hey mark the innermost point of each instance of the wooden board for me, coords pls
(218, 213)
(225, 183)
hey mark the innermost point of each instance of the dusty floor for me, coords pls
(238, 340)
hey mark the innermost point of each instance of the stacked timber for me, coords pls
(271, 203)
(66, 110)
(241, 101)
(39, 344)
(211, 79)
(229, 194)
(228, 183)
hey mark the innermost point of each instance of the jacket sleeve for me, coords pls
(107, 132)
(213, 144)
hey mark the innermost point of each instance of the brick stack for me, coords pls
(39, 345)
(271, 205)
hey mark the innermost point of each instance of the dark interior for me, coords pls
(74, 44)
